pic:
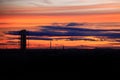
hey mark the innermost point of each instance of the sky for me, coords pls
(59, 6)
(70, 23)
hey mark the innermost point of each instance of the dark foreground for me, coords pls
(60, 60)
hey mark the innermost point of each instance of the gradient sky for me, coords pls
(34, 14)
(59, 6)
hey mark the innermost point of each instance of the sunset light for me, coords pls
(70, 23)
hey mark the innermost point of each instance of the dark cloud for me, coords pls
(39, 38)
(2, 43)
(85, 39)
(68, 31)
(48, 28)
(75, 24)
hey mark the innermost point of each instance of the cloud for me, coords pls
(11, 43)
(68, 31)
(80, 38)
(2, 44)
(61, 38)
(50, 7)
(75, 24)
(48, 38)
(56, 2)
(39, 38)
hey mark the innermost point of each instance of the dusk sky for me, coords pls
(70, 23)
(53, 7)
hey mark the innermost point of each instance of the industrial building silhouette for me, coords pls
(23, 40)
(23, 34)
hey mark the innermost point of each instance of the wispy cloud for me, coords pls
(59, 6)
(56, 2)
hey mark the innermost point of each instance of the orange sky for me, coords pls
(59, 18)
(28, 18)
(18, 22)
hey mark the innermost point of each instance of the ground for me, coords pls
(69, 60)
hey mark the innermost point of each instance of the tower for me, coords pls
(23, 39)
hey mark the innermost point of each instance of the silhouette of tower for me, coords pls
(23, 39)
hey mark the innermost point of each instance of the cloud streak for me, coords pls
(69, 31)
(59, 7)
(56, 2)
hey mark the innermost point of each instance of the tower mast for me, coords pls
(23, 39)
